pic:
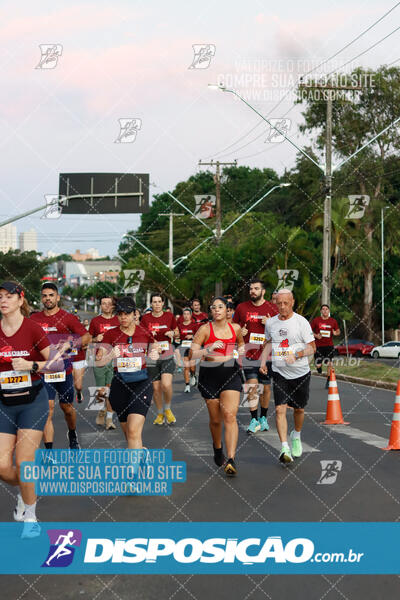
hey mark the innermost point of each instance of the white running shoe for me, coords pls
(19, 510)
(187, 388)
(193, 380)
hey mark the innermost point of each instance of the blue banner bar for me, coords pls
(202, 548)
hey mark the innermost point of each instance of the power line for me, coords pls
(223, 151)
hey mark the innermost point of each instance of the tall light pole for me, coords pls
(383, 273)
(171, 216)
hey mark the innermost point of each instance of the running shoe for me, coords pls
(110, 424)
(297, 448)
(79, 397)
(193, 380)
(254, 426)
(219, 457)
(187, 388)
(19, 510)
(169, 417)
(31, 529)
(101, 416)
(159, 420)
(285, 456)
(230, 468)
(73, 441)
(263, 421)
(179, 370)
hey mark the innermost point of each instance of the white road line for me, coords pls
(357, 434)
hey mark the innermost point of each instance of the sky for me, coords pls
(135, 60)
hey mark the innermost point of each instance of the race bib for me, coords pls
(281, 353)
(129, 364)
(235, 354)
(326, 333)
(14, 380)
(186, 343)
(54, 377)
(164, 346)
(257, 338)
(73, 352)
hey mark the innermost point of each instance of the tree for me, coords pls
(26, 269)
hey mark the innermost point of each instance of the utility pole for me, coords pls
(171, 216)
(218, 209)
(329, 91)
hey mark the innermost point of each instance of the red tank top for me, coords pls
(229, 343)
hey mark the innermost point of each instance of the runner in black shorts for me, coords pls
(131, 388)
(291, 340)
(24, 405)
(219, 379)
(324, 328)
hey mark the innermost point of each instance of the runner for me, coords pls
(131, 389)
(24, 405)
(274, 297)
(66, 335)
(197, 315)
(164, 328)
(99, 325)
(252, 316)
(79, 366)
(291, 339)
(219, 380)
(187, 328)
(230, 311)
(324, 328)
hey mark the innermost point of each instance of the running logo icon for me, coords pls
(277, 130)
(330, 471)
(50, 54)
(287, 278)
(128, 129)
(203, 53)
(63, 543)
(357, 207)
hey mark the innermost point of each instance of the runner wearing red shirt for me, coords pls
(66, 335)
(252, 316)
(187, 328)
(24, 406)
(324, 328)
(99, 325)
(197, 315)
(131, 346)
(164, 329)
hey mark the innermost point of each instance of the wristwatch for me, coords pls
(35, 367)
(297, 356)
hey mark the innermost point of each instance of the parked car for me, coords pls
(356, 348)
(388, 350)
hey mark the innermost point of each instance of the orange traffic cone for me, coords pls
(394, 438)
(333, 410)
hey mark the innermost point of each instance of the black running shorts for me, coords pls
(293, 392)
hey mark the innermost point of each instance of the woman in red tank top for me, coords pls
(220, 384)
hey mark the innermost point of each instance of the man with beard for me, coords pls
(252, 316)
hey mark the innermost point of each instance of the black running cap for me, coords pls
(126, 305)
(12, 288)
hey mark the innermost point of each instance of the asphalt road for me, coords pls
(366, 489)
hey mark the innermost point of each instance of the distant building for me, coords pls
(28, 241)
(83, 272)
(8, 238)
(91, 254)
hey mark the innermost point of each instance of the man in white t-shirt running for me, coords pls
(290, 337)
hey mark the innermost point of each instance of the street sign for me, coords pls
(133, 279)
(104, 193)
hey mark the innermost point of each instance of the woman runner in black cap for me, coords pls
(131, 389)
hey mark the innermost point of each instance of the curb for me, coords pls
(384, 385)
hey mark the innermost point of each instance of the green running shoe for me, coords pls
(297, 448)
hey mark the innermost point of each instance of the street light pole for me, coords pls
(383, 274)
(326, 251)
(171, 216)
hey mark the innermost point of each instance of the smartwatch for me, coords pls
(35, 367)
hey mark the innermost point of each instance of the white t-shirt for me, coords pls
(289, 336)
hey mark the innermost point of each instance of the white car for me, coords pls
(388, 350)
